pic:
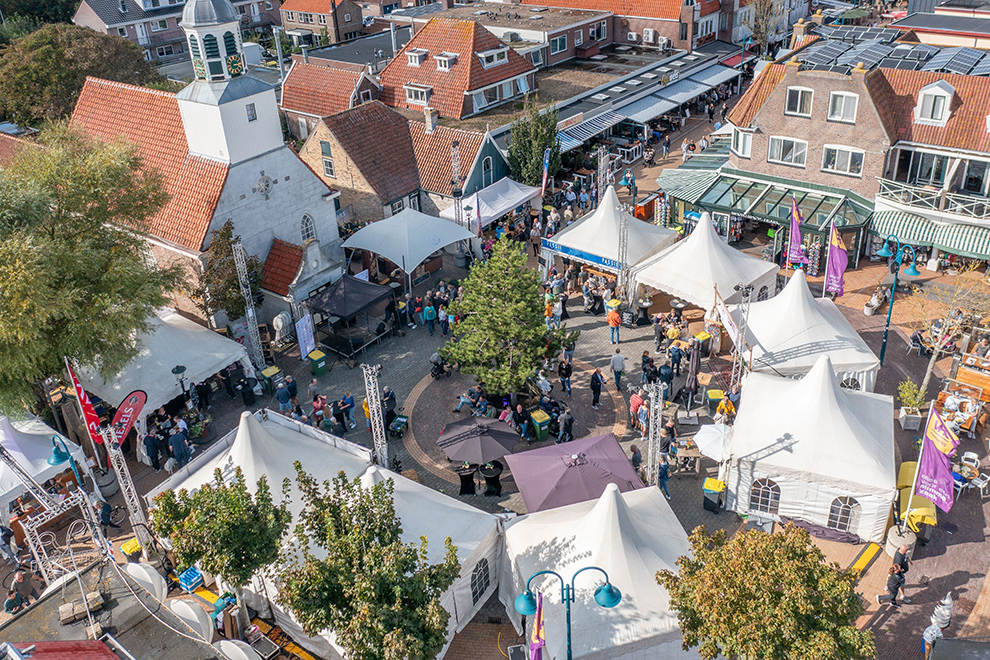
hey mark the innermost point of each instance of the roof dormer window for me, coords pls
(416, 56)
(494, 57)
(444, 60)
(934, 103)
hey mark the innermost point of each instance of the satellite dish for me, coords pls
(235, 649)
(193, 616)
(149, 578)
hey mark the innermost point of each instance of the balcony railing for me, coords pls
(967, 206)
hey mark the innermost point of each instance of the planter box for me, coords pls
(910, 419)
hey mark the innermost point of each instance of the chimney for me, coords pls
(800, 30)
(817, 18)
(305, 54)
(395, 46)
(432, 116)
(858, 74)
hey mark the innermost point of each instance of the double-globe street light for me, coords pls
(606, 595)
(895, 267)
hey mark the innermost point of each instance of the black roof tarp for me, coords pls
(347, 298)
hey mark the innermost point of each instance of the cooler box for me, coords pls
(318, 362)
(272, 377)
(131, 550)
(191, 579)
(541, 422)
(713, 490)
(706, 342)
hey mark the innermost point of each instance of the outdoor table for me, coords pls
(493, 486)
(678, 307)
(694, 459)
(467, 479)
(644, 307)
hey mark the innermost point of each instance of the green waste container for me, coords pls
(541, 423)
(272, 377)
(318, 362)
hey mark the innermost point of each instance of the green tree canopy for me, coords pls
(763, 595)
(351, 573)
(42, 73)
(530, 138)
(72, 282)
(501, 337)
(43, 11)
(16, 27)
(218, 287)
(230, 532)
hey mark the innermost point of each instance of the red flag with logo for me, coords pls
(89, 413)
(128, 412)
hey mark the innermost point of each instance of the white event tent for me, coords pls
(173, 340)
(270, 447)
(692, 269)
(812, 451)
(631, 536)
(407, 238)
(790, 331)
(491, 203)
(594, 239)
(30, 444)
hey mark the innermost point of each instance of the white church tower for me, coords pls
(227, 113)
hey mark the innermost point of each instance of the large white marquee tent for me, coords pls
(493, 202)
(30, 443)
(594, 239)
(631, 536)
(269, 447)
(694, 267)
(408, 237)
(812, 451)
(790, 331)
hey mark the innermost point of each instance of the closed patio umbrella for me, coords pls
(477, 440)
(694, 368)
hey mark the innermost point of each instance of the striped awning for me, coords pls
(907, 227)
(714, 76)
(647, 108)
(589, 128)
(567, 143)
(687, 185)
(964, 240)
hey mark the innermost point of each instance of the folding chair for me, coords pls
(981, 483)
(971, 459)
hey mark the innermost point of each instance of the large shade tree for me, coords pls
(529, 140)
(349, 571)
(74, 277)
(763, 595)
(501, 336)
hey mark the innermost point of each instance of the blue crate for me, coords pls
(190, 579)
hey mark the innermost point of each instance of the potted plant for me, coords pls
(912, 399)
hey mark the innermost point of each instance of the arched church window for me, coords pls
(211, 46)
(229, 43)
(307, 228)
(193, 45)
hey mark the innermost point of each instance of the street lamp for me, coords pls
(606, 595)
(179, 372)
(910, 271)
(60, 454)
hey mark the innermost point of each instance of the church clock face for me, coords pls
(235, 65)
(199, 67)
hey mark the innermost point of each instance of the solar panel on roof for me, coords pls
(923, 52)
(909, 65)
(982, 68)
(938, 62)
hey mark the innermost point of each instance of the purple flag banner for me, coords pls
(538, 638)
(935, 473)
(838, 259)
(795, 255)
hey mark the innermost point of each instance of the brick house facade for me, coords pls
(326, 21)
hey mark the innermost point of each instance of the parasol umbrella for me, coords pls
(477, 440)
(710, 439)
(694, 368)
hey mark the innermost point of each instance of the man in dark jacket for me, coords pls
(564, 371)
(566, 421)
(388, 404)
(676, 355)
(596, 387)
(521, 420)
(151, 448)
(666, 376)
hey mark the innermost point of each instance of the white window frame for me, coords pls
(578, 37)
(307, 228)
(122, 32)
(742, 143)
(536, 57)
(252, 112)
(850, 151)
(364, 95)
(935, 102)
(159, 25)
(413, 93)
(486, 94)
(328, 168)
(397, 206)
(780, 161)
(162, 51)
(268, 5)
(840, 117)
(290, 16)
(415, 56)
(556, 43)
(255, 10)
(321, 19)
(414, 201)
(347, 18)
(490, 58)
(800, 91)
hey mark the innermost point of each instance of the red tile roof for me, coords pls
(78, 650)
(376, 139)
(281, 267)
(318, 90)
(804, 41)
(466, 73)
(670, 9)
(150, 119)
(895, 95)
(433, 154)
(743, 113)
(308, 6)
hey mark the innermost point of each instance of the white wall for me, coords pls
(224, 132)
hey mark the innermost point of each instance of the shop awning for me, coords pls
(715, 75)
(567, 143)
(589, 128)
(647, 108)
(734, 60)
(964, 240)
(909, 228)
(683, 91)
(686, 185)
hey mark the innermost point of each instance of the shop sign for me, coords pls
(570, 121)
(611, 264)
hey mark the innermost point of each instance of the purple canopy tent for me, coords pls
(571, 472)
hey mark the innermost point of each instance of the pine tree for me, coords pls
(530, 139)
(501, 336)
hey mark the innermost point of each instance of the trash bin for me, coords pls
(714, 398)
(272, 377)
(541, 422)
(246, 388)
(706, 342)
(713, 490)
(318, 362)
(131, 550)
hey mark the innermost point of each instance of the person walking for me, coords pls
(636, 458)
(618, 365)
(644, 367)
(676, 355)
(347, 406)
(534, 238)
(556, 311)
(666, 376)
(566, 422)
(665, 147)
(597, 380)
(711, 112)
(663, 474)
(443, 320)
(614, 321)
(725, 111)
(564, 370)
(313, 390)
(293, 388)
(895, 583)
(430, 316)
(904, 563)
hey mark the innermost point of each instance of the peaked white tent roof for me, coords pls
(692, 268)
(631, 536)
(595, 237)
(408, 237)
(817, 441)
(790, 331)
(30, 443)
(173, 340)
(494, 201)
